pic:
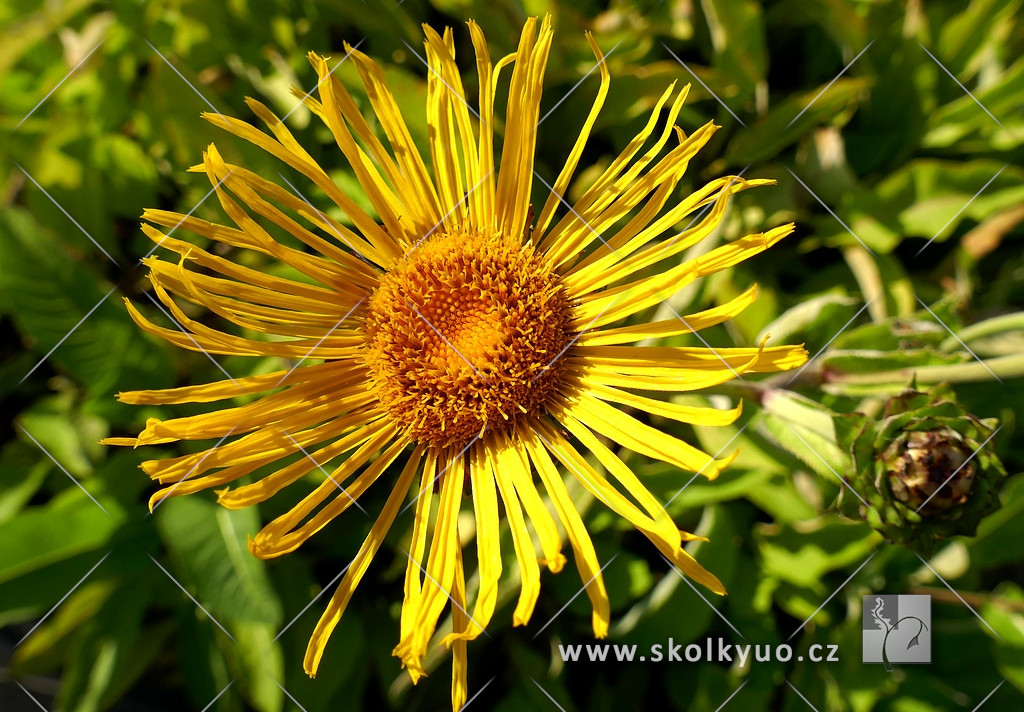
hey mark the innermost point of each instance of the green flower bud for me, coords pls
(925, 472)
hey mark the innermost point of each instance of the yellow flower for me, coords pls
(452, 327)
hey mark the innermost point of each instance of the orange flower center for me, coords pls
(464, 336)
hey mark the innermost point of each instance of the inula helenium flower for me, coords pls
(463, 351)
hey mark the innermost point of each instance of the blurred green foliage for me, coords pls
(915, 212)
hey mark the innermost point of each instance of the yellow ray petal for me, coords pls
(604, 267)
(284, 534)
(526, 554)
(338, 371)
(515, 173)
(513, 460)
(264, 446)
(656, 524)
(641, 438)
(575, 529)
(488, 542)
(460, 659)
(371, 545)
(481, 200)
(670, 327)
(655, 187)
(682, 413)
(550, 241)
(613, 304)
(266, 487)
(561, 184)
(417, 546)
(439, 572)
(406, 153)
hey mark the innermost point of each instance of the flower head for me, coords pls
(924, 472)
(463, 350)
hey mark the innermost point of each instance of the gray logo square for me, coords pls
(896, 629)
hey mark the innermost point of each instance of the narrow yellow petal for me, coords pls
(488, 542)
(561, 183)
(460, 658)
(343, 594)
(440, 569)
(670, 327)
(681, 413)
(513, 459)
(583, 548)
(284, 534)
(641, 438)
(526, 553)
(417, 546)
(613, 304)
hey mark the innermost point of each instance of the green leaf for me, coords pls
(41, 536)
(208, 545)
(261, 665)
(781, 127)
